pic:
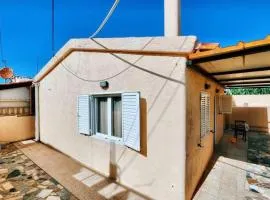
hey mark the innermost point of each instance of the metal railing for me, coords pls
(13, 111)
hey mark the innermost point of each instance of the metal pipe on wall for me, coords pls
(37, 118)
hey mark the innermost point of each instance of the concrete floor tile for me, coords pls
(92, 180)
(111, 190)
(83, 174)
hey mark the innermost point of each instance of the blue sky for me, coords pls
(26, 24)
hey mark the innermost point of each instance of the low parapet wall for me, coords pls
(256, 117)
(254, 109)
(16, 128)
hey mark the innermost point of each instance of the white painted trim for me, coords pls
(107, 94)
(109, 115)
(107, 138)
(37, 113)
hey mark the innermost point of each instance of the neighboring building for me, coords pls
(130, 109)
(16, 112)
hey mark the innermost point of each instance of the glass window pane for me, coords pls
(117, 117)
(102, 117)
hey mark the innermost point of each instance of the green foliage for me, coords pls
(248, 91)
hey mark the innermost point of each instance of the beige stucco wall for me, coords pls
(254, 109)
(219, 127)
(14, 128)
(198, 157)
(159, 170)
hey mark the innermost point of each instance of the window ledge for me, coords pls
(109, 139)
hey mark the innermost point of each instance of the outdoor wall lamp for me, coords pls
(104, 84)
(207, 86)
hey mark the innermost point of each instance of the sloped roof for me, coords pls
(241, 65)
(179, 46)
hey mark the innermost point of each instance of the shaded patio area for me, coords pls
(238, 170)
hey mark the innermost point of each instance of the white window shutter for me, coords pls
(205, 114)
(92, 113)
(225, 104)
(131, 119)
(84, 114)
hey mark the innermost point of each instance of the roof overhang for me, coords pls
(242, 65)
(15, 85)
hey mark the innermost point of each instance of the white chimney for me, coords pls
(171, 17)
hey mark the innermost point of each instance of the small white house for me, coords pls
(130, 109)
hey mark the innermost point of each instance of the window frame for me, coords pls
(108, 136)
(131, 133)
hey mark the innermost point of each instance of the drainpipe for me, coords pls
(171, 18)
(37, 116)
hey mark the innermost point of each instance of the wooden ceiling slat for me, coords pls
(247, 64)
(243, 78)
(246, 83)
(249, 86)
(244, 70)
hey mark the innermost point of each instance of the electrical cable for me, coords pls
(127, 62)
(1, 49)
(111, 11)
(106, 19)
(107, 78)
(53, 35)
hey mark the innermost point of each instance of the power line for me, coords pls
(37, 66)
(53, 27)
(1, 47)
(67, 68)
(106, 19)
(3, 60)
(130, 65)
(111, 11)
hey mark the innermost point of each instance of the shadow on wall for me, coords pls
(114, 169)
(256, 117)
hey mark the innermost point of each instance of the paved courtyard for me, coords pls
(239, 170)
(27, 168)
(20, 179)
